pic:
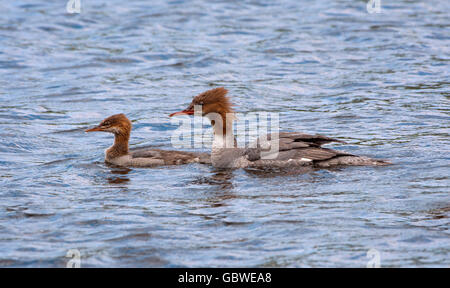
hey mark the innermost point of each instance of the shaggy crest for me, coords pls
(217, 96)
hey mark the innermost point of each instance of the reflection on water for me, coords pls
(220, 177)
(122, 171)
(377, 81)
(439, 213)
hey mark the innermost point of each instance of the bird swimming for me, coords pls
(295, 149)
(119, 154)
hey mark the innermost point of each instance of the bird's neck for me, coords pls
(223, 131)
(120, 146)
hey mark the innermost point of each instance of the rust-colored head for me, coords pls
(117, 124)
(212, 101)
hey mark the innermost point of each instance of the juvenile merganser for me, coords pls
(118, 154)
(295, 149)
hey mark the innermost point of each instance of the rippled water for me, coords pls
(378, 81)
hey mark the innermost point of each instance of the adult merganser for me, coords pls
(295, 149)
(119, 154)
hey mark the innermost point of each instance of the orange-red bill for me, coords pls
(94, 129)
(184, 112)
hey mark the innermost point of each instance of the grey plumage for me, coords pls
(295, 150)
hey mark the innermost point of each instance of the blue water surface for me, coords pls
(378, 81)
